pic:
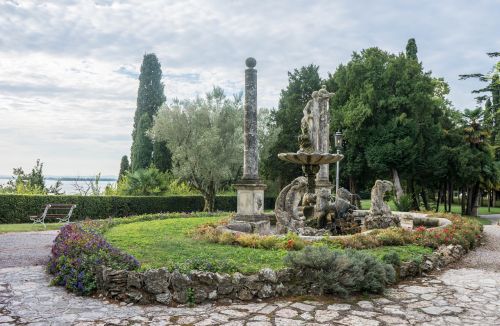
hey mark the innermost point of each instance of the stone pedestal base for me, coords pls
(250, 216)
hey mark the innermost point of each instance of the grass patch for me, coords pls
(28, 227)
(405, 253)
(166, 243)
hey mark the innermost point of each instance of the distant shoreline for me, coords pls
(69, 178)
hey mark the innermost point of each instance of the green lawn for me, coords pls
(27, 227)
(166, 243)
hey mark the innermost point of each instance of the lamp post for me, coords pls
(338, 145)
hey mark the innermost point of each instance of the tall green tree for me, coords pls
(385, 105)
(286, 119)
(162, 157)
(205, 137)
(124, 167)
(150, 97)
(490, 96)
(411, 49)
(142, 146)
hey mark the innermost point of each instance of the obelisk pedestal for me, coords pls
(250, 208)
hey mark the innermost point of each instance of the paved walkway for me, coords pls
(468, 294)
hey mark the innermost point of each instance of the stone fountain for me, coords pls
(301, 206)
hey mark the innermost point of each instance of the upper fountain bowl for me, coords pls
(310, 158)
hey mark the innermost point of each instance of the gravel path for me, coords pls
(468, 294)
(487, 256)
(25, 248)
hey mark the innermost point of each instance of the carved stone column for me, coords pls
(250, 208)
(321, 114)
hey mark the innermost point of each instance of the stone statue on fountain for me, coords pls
(306, 205)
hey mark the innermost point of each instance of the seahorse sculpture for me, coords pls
(287, 212)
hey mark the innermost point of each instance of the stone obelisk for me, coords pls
(250, 208)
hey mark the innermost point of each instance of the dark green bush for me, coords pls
(18, 208)
(427, 222)
(338, 272)
(405, 203)
(392, 258)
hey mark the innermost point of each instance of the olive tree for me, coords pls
(205, 138)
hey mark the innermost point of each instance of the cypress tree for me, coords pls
(162, 157)
(142, 146)
(411, 49)
(124, 167)
(150, 97)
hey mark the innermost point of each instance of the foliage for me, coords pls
(18, 208)
(392, 258)
(150, 97)
(286, 120)
(405, 203)
(145, 182)
(88, 187)
(32, 183)
(209, 232)
(463, 231)
(124, 167)
(342, 273)
(142, 146)
(387, 108)
(77, 250)
(205, 137)
(425, 222)
(162, 157)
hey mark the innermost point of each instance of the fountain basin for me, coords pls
(303, 158)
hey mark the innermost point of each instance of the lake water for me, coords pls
(68, 187)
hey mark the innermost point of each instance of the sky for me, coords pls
(69, 69)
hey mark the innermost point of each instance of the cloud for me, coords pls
(70, 68)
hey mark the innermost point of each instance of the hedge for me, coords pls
(18, 208)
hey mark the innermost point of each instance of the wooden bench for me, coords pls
(61, 212)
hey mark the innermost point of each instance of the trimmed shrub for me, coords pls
(427, 222)
(77, 250)
(18, 208)
(342, 273)
(209, 232)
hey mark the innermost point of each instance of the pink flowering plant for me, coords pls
(77, 251)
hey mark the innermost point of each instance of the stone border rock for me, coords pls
(170, 288)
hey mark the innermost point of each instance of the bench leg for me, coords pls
(39, 222)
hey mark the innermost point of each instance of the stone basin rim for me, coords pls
(310, 158)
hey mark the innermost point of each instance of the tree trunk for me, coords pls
(209, 202)
(397, 185)
(450, 196)
(489, 200)
(414, 197)
(462, 201)
(438, 200)
(352, 185)
(475, 197)
(423, 194)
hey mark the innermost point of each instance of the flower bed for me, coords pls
(463, 231)
(84, 262)
(77, 251)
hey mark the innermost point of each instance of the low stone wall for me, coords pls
(168, 288)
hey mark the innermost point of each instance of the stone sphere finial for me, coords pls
(251, 62)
